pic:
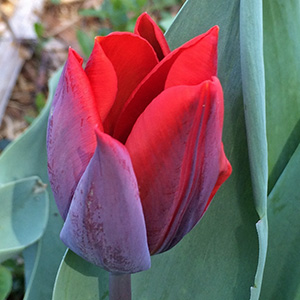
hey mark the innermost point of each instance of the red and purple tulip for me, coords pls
(135, 151)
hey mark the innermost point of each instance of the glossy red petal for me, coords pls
(70, 138)
(178, 158)
(105, 224)
(103, 79)
(148, 29)
(198, 63)
(193, 51)
(133, 58)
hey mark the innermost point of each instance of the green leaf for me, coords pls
(5, 282)
(85, 41)
(40, 101)
(282, 66)
(78, 279)
(282, 62)
(39, 29)
(92, 13)
(282, 272)
(24, 158)
(23, 215)
(253, 81)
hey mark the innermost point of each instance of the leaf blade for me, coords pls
(282, 273)
(24, 158)
(5, 282)
(24, 215)
(253, 82)
(77, 279)
(281, 23)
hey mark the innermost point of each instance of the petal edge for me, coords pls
(70, 135)
(148, 29)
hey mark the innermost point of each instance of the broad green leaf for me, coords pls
(218, 259)
(78, 279)
(5, 282)
(282, 63)
(24, 158)
(253, 81)
(282, 66)
(282, 272)
(32, 256)
(23, 216)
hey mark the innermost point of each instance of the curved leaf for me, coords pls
(253, 81)
(282, 66)
(24, 158)
(282, 272)
(5, 282)
(78, 279)
(23, 216)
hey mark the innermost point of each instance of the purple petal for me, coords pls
(105, 224)
(71, 141)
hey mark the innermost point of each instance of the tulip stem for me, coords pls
(119, 286)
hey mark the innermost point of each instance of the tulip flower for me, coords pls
(134, 142)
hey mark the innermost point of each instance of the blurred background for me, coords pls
(34, 41)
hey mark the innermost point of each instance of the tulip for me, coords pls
(134, 142)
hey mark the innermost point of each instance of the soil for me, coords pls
(59, 23)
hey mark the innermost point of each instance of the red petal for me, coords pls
(105, 224)
(70, 139)
(178, 158)
(132, 58)
(147, 28)
(197, 64)
(201, 67)
(103, 79)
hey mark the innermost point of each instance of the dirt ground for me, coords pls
(58, 22)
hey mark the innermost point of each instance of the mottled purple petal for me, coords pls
(105, 224)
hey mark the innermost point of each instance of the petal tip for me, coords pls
(74, 56)
(215, 30)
